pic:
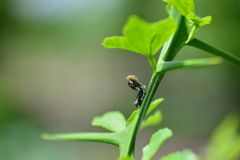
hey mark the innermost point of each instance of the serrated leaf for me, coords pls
(154, 119)
(132, 117)
(142, 37)
(184, 155)
(154, 104)
(113, 121)
(155, 142)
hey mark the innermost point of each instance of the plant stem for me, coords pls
(169, 51)
(214, 50)
(95, 137)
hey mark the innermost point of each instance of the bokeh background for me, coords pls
(55, 76)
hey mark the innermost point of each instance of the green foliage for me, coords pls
(152, 120)
(187, 9)
(126, 158)
(225, 140)
(142, 37)
(184, 155)
(153, 105)
(146, 38)
(155, 142)
(113, 121)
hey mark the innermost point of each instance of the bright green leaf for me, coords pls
(234, 151)
(186, 8)
(199, 21)
(132, 117)
(126, 158)
(155, 142)
(142, 37)
(152, 62)
(163, 66)
(163, 31)
(154, 119)
(119, 42)
(225, 141)
(113, 121)
(153, 105)
(184, 155)
(139, 34)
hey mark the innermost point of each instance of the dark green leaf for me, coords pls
(113, 121)
(156, 141)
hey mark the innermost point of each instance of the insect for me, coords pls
(133, 83)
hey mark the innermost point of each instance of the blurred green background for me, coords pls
(55, 76)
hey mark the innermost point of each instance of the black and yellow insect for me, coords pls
(133, 83)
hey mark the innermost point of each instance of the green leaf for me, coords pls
(126, 158)
(187, 9)
(225, 141)
(177, 41)
(184, 7)
(214, 50)
(132, 117)
(163, 66)
(199, 21)
(153, 105)
(113, 121)
(156, 141)
(139, 34)
(121, 43)
(152, 62)
(154, 119)
(164, 29)
(142, 37)
(184, 155)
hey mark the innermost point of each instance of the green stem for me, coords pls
(214, 50)
(153, 85)
(163, 66)
(169, 51)
(95, 137)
